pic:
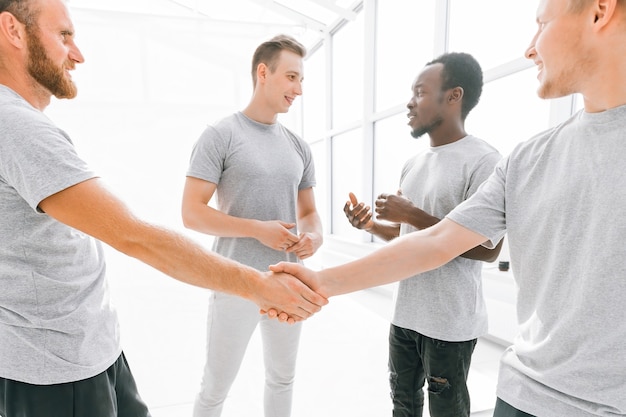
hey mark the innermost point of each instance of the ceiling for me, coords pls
(308, 20)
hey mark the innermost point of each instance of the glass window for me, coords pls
(408, 23)
(509, 111)
(321, 178)
(314, 96)
(393, 146)
(347, 175)
(492, 42)
(103, 47)
(212, 83)
(347, 73)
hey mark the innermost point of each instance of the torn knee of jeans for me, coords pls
(437, 385)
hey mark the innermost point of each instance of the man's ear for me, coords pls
(12, 30)
(603, 13)
(261, 72)
(456, 94)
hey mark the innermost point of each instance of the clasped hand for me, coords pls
(294, 293)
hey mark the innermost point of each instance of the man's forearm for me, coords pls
(403, 257)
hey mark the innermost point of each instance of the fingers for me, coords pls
(359, 215)
(302, 301)
(289, 241)
(303, 248)
(281, 317)
(353, 199)
(288, 225)
(346, 208)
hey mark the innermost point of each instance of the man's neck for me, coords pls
(34, 94)
(259, 112)
(446, 136)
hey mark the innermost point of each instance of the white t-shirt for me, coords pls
(560, 198)
(56, 323)
(259, 170)
(446, 303)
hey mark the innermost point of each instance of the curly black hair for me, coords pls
(462, 70)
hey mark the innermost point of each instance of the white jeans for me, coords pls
(231, 322)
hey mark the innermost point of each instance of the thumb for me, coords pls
(279, 267)
(353, 199)
(288, 225)
(286, 268)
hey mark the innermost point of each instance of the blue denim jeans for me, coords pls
(415, 359)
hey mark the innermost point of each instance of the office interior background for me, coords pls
(158, 71)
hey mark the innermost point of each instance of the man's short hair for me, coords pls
(461, 70)
(268, 52)
(23, 11)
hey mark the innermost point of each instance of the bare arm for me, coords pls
(199, 216)
(91, 208)
(397, 208)
(309, 226)
(405, 256)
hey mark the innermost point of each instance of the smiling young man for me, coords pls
(60, 352)
(263, 176)
(438, 315)
(559, 197)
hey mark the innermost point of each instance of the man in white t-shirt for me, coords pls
(438, 315)
(559, 197)
(262, 176)
(60, 351)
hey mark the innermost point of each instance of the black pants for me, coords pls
(112, 393)
(415, 359)
(505, 410)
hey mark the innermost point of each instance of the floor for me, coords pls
(341, 366)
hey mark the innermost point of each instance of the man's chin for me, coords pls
(68, 92)
(416, 134)
(66, 96)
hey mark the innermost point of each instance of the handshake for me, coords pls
(290, 292)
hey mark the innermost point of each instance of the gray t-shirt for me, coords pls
(560, 197)
(446, 303)
(258, 169)
(56, 324)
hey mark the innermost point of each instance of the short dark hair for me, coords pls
(269, 51)
(23, 11)
(461, 70)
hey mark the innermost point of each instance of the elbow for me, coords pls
(187, 221)
(189, 218)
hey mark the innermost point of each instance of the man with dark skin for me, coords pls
(438, 315)
(559, 197)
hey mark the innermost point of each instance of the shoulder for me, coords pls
(476, 152)
(17, 114)
(481, 146)
(220, 132)
(25, 127)
(298, 141)
(537, 144)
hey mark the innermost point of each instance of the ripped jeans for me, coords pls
(415, 359)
